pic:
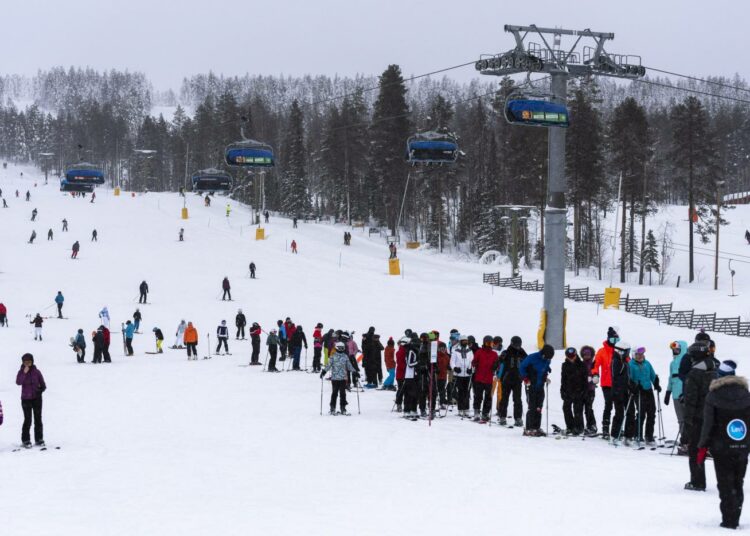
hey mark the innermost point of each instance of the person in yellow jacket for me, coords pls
(229, 209)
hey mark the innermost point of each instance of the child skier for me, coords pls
(340, 366)
(159, 340)
(390, 364)
(587, 353)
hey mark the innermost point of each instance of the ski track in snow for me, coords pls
(160, 445)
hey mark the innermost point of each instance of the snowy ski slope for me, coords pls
(160, 445)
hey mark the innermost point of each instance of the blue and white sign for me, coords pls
(737, 429)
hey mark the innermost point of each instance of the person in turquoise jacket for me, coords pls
(674, 385)
(643, 381)
(129, 330)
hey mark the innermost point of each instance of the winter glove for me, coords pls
(322, 374)
(656, 385)
(457, 370)
(595, 379)
(667, 397)
(526, 381)
(469, 371)
(701, 457)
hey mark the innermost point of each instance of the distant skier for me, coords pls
(137, 317)
(37, 321)
(252, 270)
(94, 234)
(144, 292)
(294, 246)
(340, 366)
(159, 340)
(240, 322)
(182, 234)
(227, 289)
(3, 315)
(179, 334)
(190, 338)
(65, 225)
(272, 341)
(296, 342)
(50, 234)
(104, 317)
(93, 196)
(129, 331)
(59, 299)
(28, 195)
(294, 222)
(207, 201)
(229, 209)
(79, 346)
(76, 247)
(747, 237)
(5, 203)
(97, 337)
(255, 332)
(265, 214)
(222, 333)
(32, 386)
(33, 215)
(33, 237)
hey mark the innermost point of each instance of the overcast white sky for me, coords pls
(171, 39)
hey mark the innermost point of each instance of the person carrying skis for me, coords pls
(222, 333)
(143, 288)
(573, 386)
(32, 384)
(534, 370)
(252, 270)
(129, 331)
(190, 338)
(601, 372)
(179, 335)
(317, 346)
(512, 358)
(76, 247)
(226, 288)
(3, 315)
(272, 341)
(59, 299)
(587, 353)
(104, 316)
(724, 432)
(646, 381)
(695, 389)
(159, 340)
(255, 332)
(461, 359)
(79, 346)
(484, 364)
(37, 321)
(137, 317)
(240, 322)
(296, 342)
(674, 386)
(340, 366)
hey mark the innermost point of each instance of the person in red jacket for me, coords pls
(390, 364)
(3, 315)
(484, 365)
(294, 246)
(105, 350)
(403, 346)
(601, 373)
(317, 346)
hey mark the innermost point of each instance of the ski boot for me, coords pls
(485, 417)
(344, 412)
(399, 408)
(27, 444)
(423, 414)
(529, 433)
(518, 422)
(690, 487)
(476, 416)
(502, 421)
(332, 411)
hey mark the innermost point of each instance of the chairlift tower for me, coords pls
(560, 63)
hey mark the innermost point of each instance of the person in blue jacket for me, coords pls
(674, 385)
(80, 342)
(534, 370)
(59, 299)
(644, 380)
(129, 330)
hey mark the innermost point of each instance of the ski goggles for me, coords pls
(570, 351)
(674, 345)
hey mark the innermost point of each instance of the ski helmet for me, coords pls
(548, 352)
(487, 340)
(570, 352)
(403, 341)
(462, 338)
(340, 346)
(516, 342)
(624, 347)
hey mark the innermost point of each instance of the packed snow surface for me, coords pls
(162, 445)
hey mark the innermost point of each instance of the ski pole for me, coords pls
(398, 392)
(208, 342)
(624, 417)
(429, 393)
(640, 408)
(662, 437)
(676, 439)
(265, 360)
(356, 386)
(321, 397)
(546, 403)
(305, 358)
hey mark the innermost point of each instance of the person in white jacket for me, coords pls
(179, 334)
(461, 357)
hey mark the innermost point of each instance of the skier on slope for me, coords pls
(32, 386)
(32, 237)
(137, 317)
(534, 370)
(317, 346)
(190, 338)
(389, 355)
(50, 234)
(129, 331)
(724, 432)
(296, 342)
(252, 270)
(33, 215)
(226, 288)
(37, 321)
(272, 341)
(646, 381)
(401, 355)
(179, 335)
(622, 392)
(3, 315)
(94, 236)
(240, 322)
(104, 316)
(222, 333)
(79, 342)
(59, 300)
(65, 225)
(573, 387)
(159, 340)
(76, 248)
(143, 289)
(674, 387)
(255, 332)
(411, 388)
(339, 365)
(587, 353)
(294, 246)
(602, 373)
(485, 364)
(97, 338)
(443, 365)
(512, 357)
(282, 340)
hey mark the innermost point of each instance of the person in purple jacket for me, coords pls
(32, 386)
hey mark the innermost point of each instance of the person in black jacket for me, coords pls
(374, 363)
(692, 357)
(227, 289)
(99, 344)
(511, 359)
(694, 392)
(573, 387)
(222, 333)
(144, 292)
(240, 321)
(726, 417)
(295, 346)
(624, 419)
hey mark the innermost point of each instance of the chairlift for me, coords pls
(535, 111)
(211, 180)
(431, 148)
(84, 173)
(248, 153)
(67, 186)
